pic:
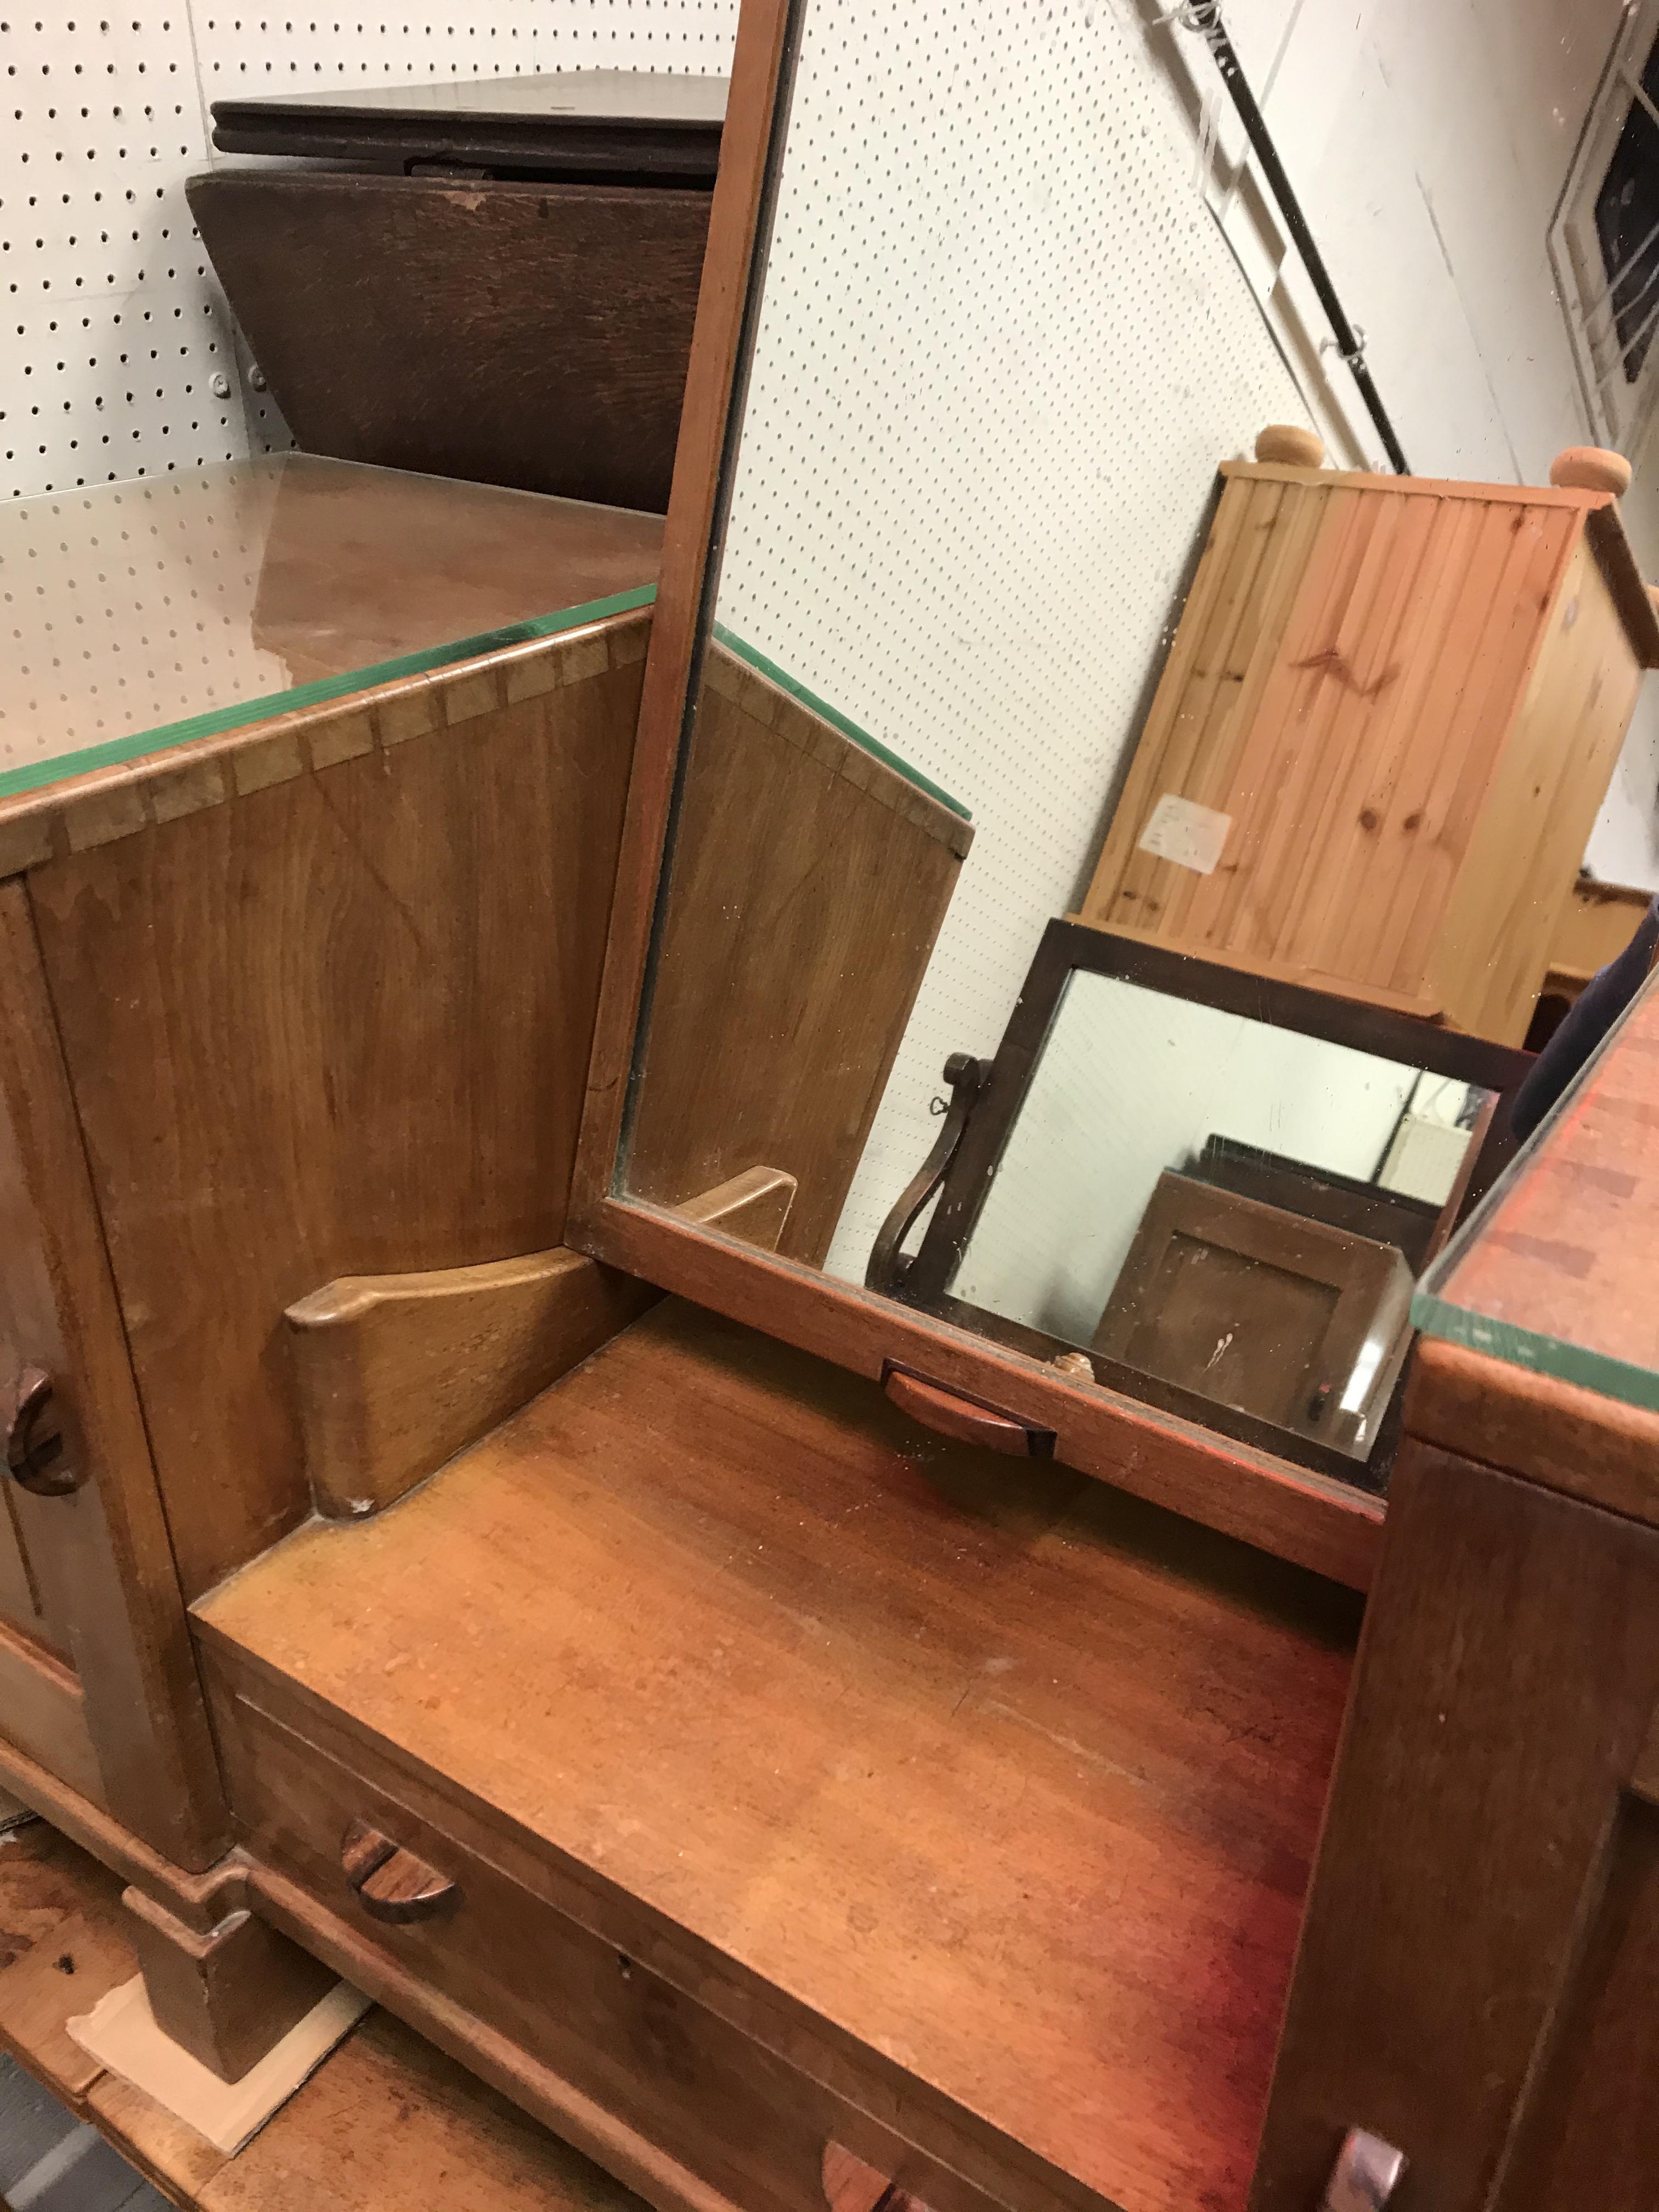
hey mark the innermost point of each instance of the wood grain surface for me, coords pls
(752, 1651)
(808, 886)
(101, 1557)
(756, 105)
(1559, 1434)
(1597, 922)
(1482, 1911)
(1565, 1257)
(1407, 697)
(396, 1373)
(43, 1714)
(227, 1996)
(363, 565)
(534, 335)
(337, 1024)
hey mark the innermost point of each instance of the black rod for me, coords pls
(1205, 17)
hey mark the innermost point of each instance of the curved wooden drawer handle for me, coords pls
(952, 1413)
(391, 1883)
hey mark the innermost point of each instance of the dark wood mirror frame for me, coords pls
(1295, 1513)
(963, 1173)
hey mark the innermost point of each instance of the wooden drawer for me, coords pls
(579, 1981)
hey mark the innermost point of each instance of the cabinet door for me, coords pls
(97, 1681)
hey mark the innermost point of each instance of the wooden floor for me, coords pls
(1010, 1776)
(385, 2125)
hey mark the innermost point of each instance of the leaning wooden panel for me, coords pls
(335, 1018)
(809, 881)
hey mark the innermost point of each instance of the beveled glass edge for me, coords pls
(162, 737)
(1534, 1349)
(837, 720)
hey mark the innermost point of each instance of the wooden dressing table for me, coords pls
(789, 1804)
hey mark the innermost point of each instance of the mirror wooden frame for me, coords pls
(1293, 1512)
(1071, 948)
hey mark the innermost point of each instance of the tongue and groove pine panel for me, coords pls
(1408, 697)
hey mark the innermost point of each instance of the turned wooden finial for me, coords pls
(1289, 446)
(1591, 468)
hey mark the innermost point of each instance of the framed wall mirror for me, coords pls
(866, 788)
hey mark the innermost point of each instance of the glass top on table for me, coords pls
(136, 617)
(1555, 1271)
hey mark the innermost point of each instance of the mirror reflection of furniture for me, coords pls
(811, 872)
(1382, 735)
(1414, 1226)
(1219, 1186)
(1304, 1325)
(493, 280)
(290, 985)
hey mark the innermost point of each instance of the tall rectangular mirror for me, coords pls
(983, 651)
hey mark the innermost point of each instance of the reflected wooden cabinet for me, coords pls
(1299, 1323)
(1382, 736)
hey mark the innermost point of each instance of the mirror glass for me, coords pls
(990, 644)
(1219, 1205)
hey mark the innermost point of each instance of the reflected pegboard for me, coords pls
(119, 357)
(1002, 349)
(114, 609)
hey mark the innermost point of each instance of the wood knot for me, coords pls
(1367, 817)
(1412, 822)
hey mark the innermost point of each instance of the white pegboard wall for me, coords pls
(116, 328)
(115, 333)
(1003, 347)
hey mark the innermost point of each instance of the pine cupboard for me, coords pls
(1384, 730)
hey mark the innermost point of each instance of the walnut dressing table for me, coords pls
(786, 1743)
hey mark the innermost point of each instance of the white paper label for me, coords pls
(1189, 835)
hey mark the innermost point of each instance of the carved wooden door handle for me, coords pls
(953, 1414)
(391, 1883)
(35, 1437)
